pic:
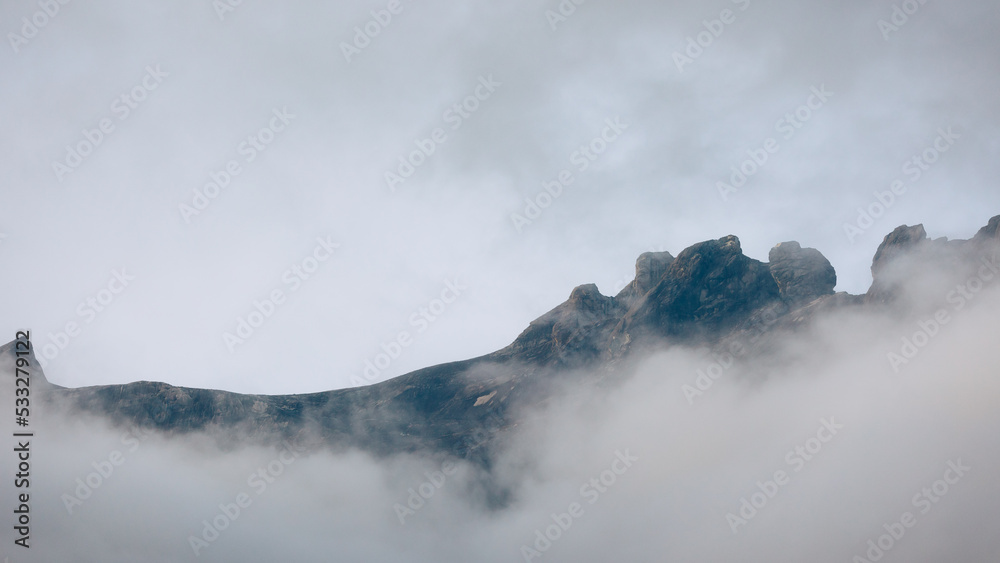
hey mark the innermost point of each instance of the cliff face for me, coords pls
(710, 287)
(802, 274)
(907, 248)
(707, 294)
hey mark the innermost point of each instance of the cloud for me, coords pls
(219, 81)
(805, 449)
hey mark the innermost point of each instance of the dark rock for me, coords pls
(898, 243)
(710, 293)
(991, 232)
(568, 334)
(901, 240)
(649, 270)
(709, 287)
(801, 273)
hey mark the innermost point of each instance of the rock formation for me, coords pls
(709, 293)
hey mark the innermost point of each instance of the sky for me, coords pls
(361, 178)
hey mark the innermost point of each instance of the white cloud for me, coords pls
(324, 175)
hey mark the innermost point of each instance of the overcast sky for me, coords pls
(309, 114)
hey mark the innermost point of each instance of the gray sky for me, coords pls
(211, 82)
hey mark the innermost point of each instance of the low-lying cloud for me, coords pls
(820, 450)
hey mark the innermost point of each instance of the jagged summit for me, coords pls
(907, 246)
(8, 356)
(990, 232)
(707, 288)
(801, 273)
(649, 269)
(708, 293)
(902, 239)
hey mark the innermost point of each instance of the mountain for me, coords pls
(710, 294)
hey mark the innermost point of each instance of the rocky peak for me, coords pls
(900, 242)
(649, 269)
(588, 299)
(708, 286)
(712, 280)
(570, 330)
(801, 273)
(709, 294)
(9, 355)
(991, 232)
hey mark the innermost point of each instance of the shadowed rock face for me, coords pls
(991, 232)
(710, 293)
(900, 241)
(567, 336)
(649, 270)
(802, 274)
(708, 288)
(906, 247)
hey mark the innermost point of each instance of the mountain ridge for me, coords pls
(707, 294)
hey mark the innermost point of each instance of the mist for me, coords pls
(264, 197)
(336, 123)
(809, 448)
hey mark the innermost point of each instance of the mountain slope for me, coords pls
(709, 294)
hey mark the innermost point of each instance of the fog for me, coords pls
(829, 442)
(119, 116)
(210, 78)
